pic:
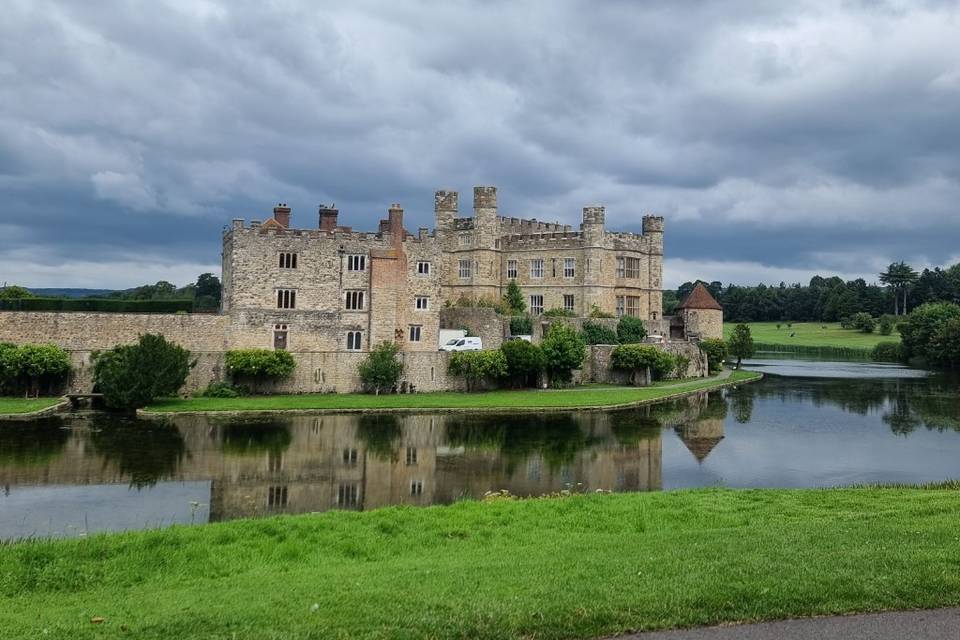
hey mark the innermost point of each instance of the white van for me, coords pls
(463, 344)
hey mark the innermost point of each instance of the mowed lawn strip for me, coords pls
(812, 334)
(25, 405)
(527, 398)
(576, 567)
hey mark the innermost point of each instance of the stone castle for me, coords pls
(329, 294)
(335, 289)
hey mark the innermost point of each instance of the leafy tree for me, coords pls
(630, 330)
(208, 292)
(716, 350)
(564, 350)
(886, 324)
(863, 322)
(9, 366)
(640, 357)
(886, 352)
(478, 366)
(31, 367)
(382, 368)
(131, 376)
(525, 361)
(513, 298)
(595, 333)
(927, 334)
(13, 292)
(260, 364)
(741, 343)
(899, 276)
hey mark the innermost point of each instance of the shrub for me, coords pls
(260, 364)
(478, 366)
(521, 326)
(131, 376)
(927, 331)
(513, 298)
(557, 312)
(716, 350)
(32, 366)
(563, 350)
(887, 322)
(597, 312)
(630, 330)
(525, 361)
(862, 321)
(485, 302)
(221, 390)
(382, 368)
(595, 333)
(637, 357)
(846, 322)
(886, 352)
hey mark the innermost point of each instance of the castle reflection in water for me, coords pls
(315, 463)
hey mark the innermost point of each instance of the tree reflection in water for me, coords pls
(381, 433)
(256, 437)
(145, 451)
(33, 442)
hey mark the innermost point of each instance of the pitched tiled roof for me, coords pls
(700, 298)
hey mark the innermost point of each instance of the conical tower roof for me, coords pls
(700, 298)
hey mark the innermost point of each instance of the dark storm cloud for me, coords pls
(779, 139)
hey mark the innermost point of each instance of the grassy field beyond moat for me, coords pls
(576, 567)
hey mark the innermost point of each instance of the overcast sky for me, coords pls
(779, 139)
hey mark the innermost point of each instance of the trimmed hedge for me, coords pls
(102, 305)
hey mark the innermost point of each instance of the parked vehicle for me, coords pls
(463, 344)
(446, 335)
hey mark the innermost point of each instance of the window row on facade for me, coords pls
(355, 262)
(627, 267)
(353, 300)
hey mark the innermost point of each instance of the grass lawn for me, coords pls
(576, 567)
(526, 399)
(25, 405)
(811, 334)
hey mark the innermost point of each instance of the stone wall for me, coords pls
(597, 367)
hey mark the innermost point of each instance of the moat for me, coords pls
(807, 424)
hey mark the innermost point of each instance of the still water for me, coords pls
(807, 424)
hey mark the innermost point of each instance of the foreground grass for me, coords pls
(527, 398)
(576, 567)
(812, 334)
(25, 405)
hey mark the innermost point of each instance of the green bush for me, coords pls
(525, 361)
(886, 352)
(478, 366)
(637, 357)
(630, 330)
(103, 305)
(863, 322)
(31, 368)
(716, 350)
(131, 376)
(680, 365)
(221, 390)
(557, 312)
(846, 322)
(595, 333)
(483, 302)
(521, 326)
(564, 351)
(887, 323)
(259, 364)
(928, 333)
(381, 370)
(741, 343)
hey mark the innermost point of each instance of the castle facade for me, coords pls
(331, 288)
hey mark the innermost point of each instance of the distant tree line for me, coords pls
(828, 299)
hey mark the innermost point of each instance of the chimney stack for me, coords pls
(328, 217)
(281, 213)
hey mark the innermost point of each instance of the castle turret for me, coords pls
(485, 216)
(653, 227)
(593, 224)
(445, 205)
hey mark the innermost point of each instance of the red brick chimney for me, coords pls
(395, 222)
(281, 213)
(328, 217)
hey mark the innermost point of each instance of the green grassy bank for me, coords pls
(814, 338)
(578, 397)
(576, 567)
(25, 405)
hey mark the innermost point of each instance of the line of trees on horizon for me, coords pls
(828, 299)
